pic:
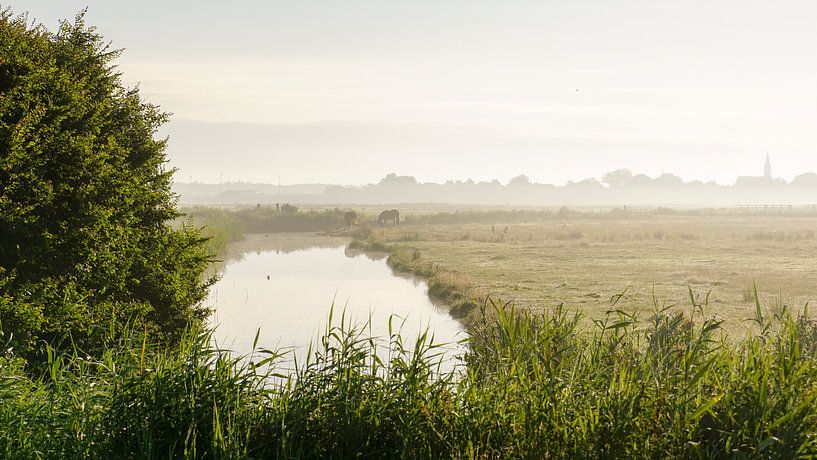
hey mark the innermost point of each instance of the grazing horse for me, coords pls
(390, 215)
(350, 218)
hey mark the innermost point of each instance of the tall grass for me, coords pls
(219, 226)
(268, 219)
(224, 226)
(534, 385)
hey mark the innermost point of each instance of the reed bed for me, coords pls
(265, 219)
(531, 385)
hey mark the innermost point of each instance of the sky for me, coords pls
(346, 92)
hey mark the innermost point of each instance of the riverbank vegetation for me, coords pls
(232, 223)
(532, 386)
(218, 226)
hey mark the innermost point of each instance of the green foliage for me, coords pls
(233, 223)
(137, 400)
(86, 195)
(219, 226)
(532, 386)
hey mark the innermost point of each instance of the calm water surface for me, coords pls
(286, 284)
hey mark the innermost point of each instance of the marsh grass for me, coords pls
(533, 385)
(456, 290)
(235, 222)
(371, 244)
(219, 226)
(749, 294)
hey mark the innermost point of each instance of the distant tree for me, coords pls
(394, 179)
(805, 179)
(591, 182)
(668, 180)
(520, 180)
(85, 199)
(617, 178)
(641, 180)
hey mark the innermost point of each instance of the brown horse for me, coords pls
(350, 218)
(390, 215)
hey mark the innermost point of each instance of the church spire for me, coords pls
(767, 169)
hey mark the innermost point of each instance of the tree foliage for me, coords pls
(617, 178)
(85, 197)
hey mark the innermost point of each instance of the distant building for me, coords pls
(765, 180)
(767, 169)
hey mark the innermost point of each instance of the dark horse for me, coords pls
(390, 215)
(350, 218)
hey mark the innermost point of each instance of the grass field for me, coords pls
(586, 259)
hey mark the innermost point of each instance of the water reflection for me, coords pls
(286, 284)
(352, 252)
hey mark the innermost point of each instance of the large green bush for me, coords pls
(85, 196)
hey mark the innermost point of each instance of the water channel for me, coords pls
(285, 285)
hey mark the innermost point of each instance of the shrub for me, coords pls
(287, 208)
(86, 194)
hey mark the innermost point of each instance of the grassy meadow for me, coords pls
(586, 259)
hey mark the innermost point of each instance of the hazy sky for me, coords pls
(345, 92)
